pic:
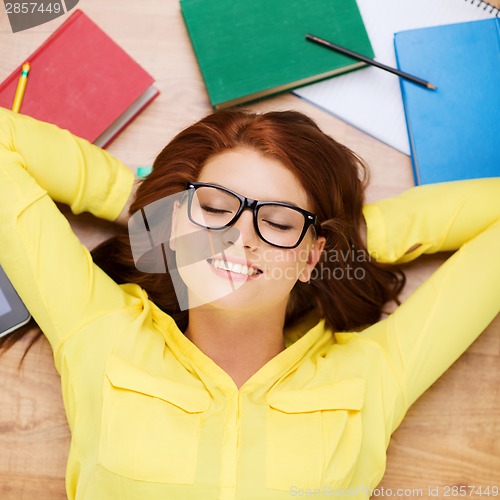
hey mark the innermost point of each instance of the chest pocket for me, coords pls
(314, 436)
(150, 425)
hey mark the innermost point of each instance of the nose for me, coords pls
(245, 226)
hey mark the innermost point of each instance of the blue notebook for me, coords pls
(454, 131)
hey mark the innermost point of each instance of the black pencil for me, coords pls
(367, 60)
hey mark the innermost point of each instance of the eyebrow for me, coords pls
(287, 202)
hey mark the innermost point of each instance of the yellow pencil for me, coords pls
(21, 87)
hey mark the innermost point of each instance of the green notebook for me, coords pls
(248, 49)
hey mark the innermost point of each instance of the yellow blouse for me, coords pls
(152, 417)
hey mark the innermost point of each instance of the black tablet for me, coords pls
(13, 312)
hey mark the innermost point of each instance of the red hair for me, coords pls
(347, 287)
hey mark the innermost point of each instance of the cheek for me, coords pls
(187, 239)
(285, 265)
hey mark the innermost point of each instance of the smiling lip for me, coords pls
(235, 269)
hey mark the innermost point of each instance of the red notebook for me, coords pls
(81, 80)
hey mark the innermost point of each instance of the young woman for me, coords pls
(285, 383)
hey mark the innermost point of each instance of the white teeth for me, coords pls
(233, 267)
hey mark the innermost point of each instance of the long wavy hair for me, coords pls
(347, 288)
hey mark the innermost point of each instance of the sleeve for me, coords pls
(439, 321)
(49, 267)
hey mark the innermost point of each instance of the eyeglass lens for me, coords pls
(214, 208)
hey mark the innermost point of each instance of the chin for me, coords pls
(207, 285)
(216, 289)
(245, 300)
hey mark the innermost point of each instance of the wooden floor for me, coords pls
(450, 437)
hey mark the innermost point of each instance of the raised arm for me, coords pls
(71, 170)
(431, 218)
(50, 269)
(432, 328)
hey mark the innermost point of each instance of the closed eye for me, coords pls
(276, 225)
(214, 210)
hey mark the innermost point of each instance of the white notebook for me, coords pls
(370, 98)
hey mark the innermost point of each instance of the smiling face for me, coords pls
(249, 274)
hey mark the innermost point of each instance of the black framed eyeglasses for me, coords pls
(278, 224)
